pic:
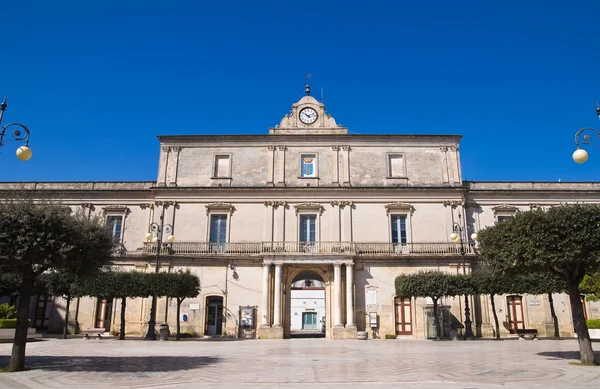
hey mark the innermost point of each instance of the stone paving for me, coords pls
(298, 363)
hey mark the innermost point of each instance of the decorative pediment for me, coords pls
(505, 209)
(341, 203)
(220, 206)
(399, 206)
(309, 207)
(115, 208)
(453, 203)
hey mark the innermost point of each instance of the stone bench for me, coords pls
(527, 334)
(97, 331)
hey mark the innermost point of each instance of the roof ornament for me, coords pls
(308, 86)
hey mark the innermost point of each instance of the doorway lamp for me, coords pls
(580, 155)
(18, 132)
(457, 236)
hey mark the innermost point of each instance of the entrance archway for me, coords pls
(307, 302)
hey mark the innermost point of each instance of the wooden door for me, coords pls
(515, 313)
(403, 316)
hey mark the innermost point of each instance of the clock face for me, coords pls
(308, 116)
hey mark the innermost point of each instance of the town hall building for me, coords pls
(305, 228)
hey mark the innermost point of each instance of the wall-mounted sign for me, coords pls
(194, 306)
(371, 297)
(534, 302)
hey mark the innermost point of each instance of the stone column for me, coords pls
(265, 297)
(349, 299)
(337, 279)
(346, 159)
(277, 300)
(336, 165)
(271, 165)
(173, 164)
(162, 165)
(281, 164)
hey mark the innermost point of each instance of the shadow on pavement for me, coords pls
(565, 355)
(114, 364)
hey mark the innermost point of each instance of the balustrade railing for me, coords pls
(306, 248)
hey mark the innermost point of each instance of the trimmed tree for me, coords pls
(66, 285)
(40, 237)
(433, 284)
(544, 283)
(118, 285)
(563, 241)
(590, 286)
(179, 285)
(492, 284)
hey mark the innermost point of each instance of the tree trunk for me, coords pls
(554, 317)
(66, 328)
(179, 301)
(17, 358)
(436, 319)
(123, 306)
(495, 316)
(583, 336)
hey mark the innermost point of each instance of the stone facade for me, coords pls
(251, 213)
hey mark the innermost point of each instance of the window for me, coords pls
(308, 166)
(222, 167)
(308, 228)
(503, 218)
(398, 228)
(218, 229)
(115, 225)
(395, 168)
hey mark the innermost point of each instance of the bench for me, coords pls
(97, 331)
(527, 334)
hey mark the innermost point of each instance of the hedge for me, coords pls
(593, 324)
(11, 323)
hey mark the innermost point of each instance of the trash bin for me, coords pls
(163, 332)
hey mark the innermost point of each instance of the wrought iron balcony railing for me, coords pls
(305, 248)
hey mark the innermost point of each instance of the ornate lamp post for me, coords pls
(23, 152)
(457, 236)
(155, 234)
(580, 155)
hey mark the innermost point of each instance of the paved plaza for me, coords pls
(296, 363)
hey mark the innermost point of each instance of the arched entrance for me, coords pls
(307, 302)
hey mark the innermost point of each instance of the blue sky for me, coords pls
(96, 82)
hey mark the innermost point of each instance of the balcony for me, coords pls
(306, 248)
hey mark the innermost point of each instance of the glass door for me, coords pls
(309, 320)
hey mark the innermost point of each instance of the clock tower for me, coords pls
(308, 116)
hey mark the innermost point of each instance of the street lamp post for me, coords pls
(155, 234)
(580, 155)
(21, 132)
(457, 236)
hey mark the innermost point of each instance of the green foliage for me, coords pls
(590, 286)
(390, 336)
(7, 311)
(433, 284)
(10, 323)
(116, 284)
(593, 324)
(36, 237)
(489, 282)
(10, 284)
(178, 285)
(562, 240)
